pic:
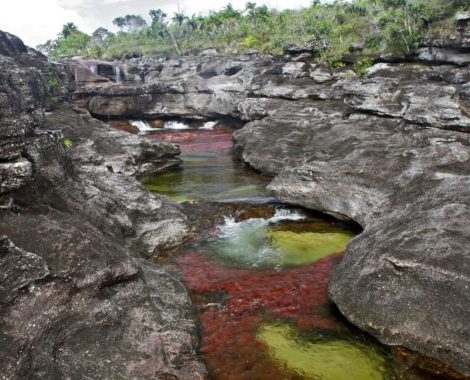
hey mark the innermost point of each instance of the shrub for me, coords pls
(362, 65)
(68, 143)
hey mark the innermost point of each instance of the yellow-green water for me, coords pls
(300, 248)
(329, 360)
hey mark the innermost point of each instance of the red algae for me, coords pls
(198, 141)
(229, 343)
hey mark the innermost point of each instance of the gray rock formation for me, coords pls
(452, 48)
(77, 299)
(387, 158)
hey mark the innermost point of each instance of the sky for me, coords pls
(36, 21)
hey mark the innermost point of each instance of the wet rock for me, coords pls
(295, 69)
(20, 269)
(210, 52)
(357, 47)
(77, 299)
(296, 50)
(451, 47)
(320, 76)
(462, 17)
(124, 126)
(156, 123)
(84, 75)
(429, 104)
(443, 54)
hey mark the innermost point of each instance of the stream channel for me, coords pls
(258, 271)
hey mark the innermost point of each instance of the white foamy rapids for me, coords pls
(285, 214)
(176, 125)
(245, 242)
(232, 228)
(209, 125)
(142, 125)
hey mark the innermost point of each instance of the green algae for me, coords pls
(306, 247)
(325, 360)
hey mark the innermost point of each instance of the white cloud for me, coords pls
(36, 21)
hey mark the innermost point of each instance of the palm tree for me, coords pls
(251, 9)
(68, 29)
(229, 12)
(193, 22)
(179, 18)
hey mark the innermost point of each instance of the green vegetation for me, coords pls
(68, 143)
(52, 81)
(362, 65)
(258, 243)
(330, 31)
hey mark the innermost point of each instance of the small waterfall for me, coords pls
(93, 68)
(209, 125)
(117, 74)
(142, 125)
(283, 214)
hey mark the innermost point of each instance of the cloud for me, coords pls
(37, 21)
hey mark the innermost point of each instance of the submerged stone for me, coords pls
(327, 360)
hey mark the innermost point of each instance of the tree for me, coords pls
(119, 22)
(229, 12)
(68, 29)
(100, 37)
(179, 18)
(250, 8)
(130, 23)
(157, 16)
(193, 22)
